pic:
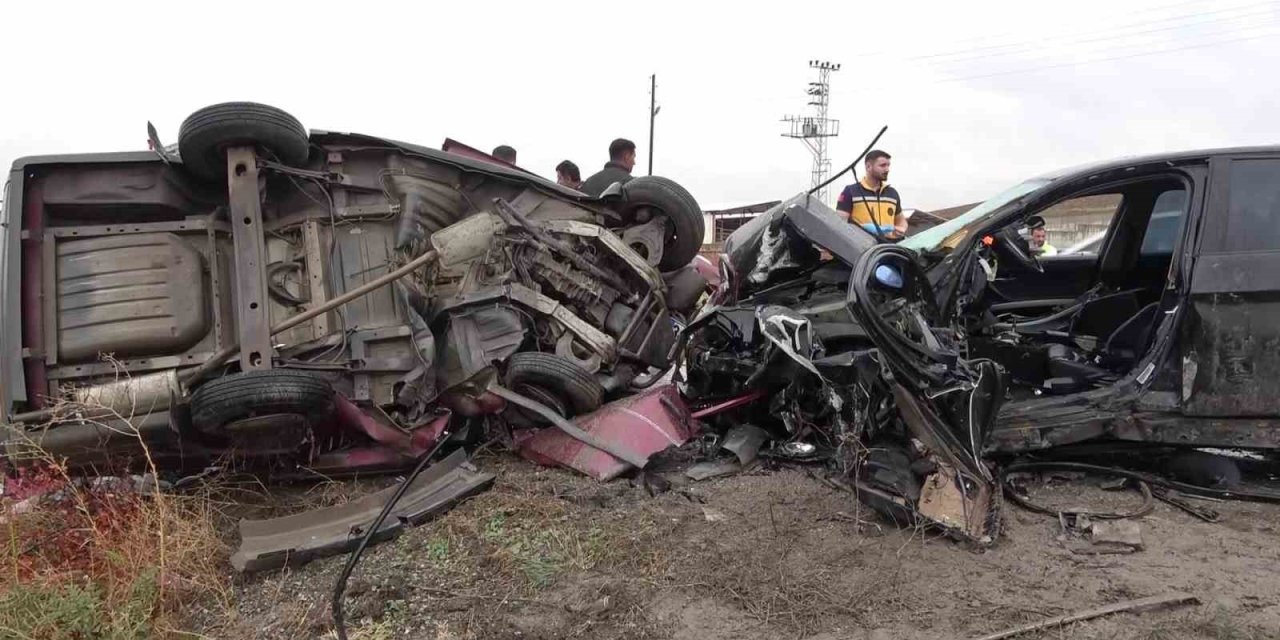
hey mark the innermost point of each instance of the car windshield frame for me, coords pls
(952, 232)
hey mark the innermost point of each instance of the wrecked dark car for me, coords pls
(917, 365)
(321, 301)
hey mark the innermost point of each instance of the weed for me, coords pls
(88, 560)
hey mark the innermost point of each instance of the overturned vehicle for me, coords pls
(323, 302)
(917, 367)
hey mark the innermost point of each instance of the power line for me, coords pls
(1072, 42)
(987, 38)
(1084, 62)
(1111, 30)
(1121, 48)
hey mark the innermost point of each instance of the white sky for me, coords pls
(561, 79)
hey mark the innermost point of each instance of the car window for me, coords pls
(1253, 210)
(950, 234)
(1078, 225)
(1162, 229)
(1092, 244)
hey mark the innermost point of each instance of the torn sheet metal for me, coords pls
(744, 441)
(642, 425)
(299, 538)
(713, 469)
(961, 506)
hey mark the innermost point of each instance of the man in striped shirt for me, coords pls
(871, 203)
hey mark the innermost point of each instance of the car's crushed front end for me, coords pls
(848, 358)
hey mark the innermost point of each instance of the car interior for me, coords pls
(1067, 323)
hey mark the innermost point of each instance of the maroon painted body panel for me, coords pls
(644, 424)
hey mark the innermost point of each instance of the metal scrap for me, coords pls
(300, 538)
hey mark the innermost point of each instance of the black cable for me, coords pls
(1148, 503)
(340, 587)
(1149, 478)
(851, 164)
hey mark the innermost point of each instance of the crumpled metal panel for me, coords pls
(299, 538)
(644, 424)
(781, 237)
(478, 337)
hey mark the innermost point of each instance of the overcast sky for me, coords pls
(976, 95)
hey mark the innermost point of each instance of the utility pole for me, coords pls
(813, 130)
(653, 113)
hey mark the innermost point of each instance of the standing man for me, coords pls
(504, 153)
(622, 157)
(567, 175)
(871, 203)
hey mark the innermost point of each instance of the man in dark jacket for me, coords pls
(622, 157)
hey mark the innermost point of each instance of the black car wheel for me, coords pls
(536, 374)
(260, 393)
(206, 134)
(684, 225)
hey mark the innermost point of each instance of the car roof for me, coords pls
(1175, 157)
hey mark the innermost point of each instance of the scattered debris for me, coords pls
(1123, 533)
(1140, 605)
(296, 539)
(1084, 535)
(1185, 503)
(744, 441)
(714, 469)
(713, 515)
(1015, 482)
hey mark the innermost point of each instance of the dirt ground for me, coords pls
(768, 554)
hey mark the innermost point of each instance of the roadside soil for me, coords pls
(765, 554)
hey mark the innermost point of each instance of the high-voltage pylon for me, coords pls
(813, 130)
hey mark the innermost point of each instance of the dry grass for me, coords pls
(102, 560)
(522, 540)
(1214, 624)
(94, 562)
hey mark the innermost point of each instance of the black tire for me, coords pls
(257, 393)
(686, 229)
(558, 375)
(206, 134)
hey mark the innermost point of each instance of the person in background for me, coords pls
(504, 153)
(1040, 246)
(871, 203)
(622, 158)
(567, 175)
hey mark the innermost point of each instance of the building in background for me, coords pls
(722, 222)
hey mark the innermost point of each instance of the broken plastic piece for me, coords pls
(744, 441)
(299, 538)
(714, 469)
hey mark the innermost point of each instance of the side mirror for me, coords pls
(1009, 244)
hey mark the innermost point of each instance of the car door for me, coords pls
(1231, 340)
